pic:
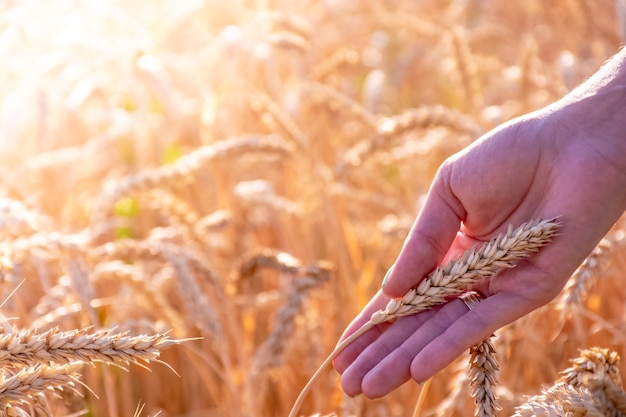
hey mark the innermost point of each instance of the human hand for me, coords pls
(538, 166)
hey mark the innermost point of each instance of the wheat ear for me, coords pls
(484, 370)
(28, 347)
(30, 381)
(586, 275)
(592, 386)
(500, 252)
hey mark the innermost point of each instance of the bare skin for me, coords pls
(566, 160)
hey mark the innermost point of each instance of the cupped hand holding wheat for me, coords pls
(450, 280)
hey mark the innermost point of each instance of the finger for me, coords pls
(345, 358)
(378, 349)
(387, 363)
(429, 239)
(467, 331)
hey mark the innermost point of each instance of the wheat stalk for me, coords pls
(466, 66)
(283, 21)
(474, 265)
(453, 402)
(343, 57)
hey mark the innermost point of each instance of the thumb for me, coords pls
(429, 239)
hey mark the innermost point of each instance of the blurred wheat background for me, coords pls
(244, 173)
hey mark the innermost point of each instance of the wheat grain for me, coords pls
(612, 399)
(15, 412)
(599, 362)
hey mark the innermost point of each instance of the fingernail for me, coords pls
(387, 275)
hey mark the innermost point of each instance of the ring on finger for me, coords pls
(471, 298)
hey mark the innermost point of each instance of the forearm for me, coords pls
(595, 112)
(610, 76)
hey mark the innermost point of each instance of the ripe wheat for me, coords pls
(30, 382)
(591, 387)
(27, 346)
(185, 168)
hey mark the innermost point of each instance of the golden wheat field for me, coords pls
(197, 196)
